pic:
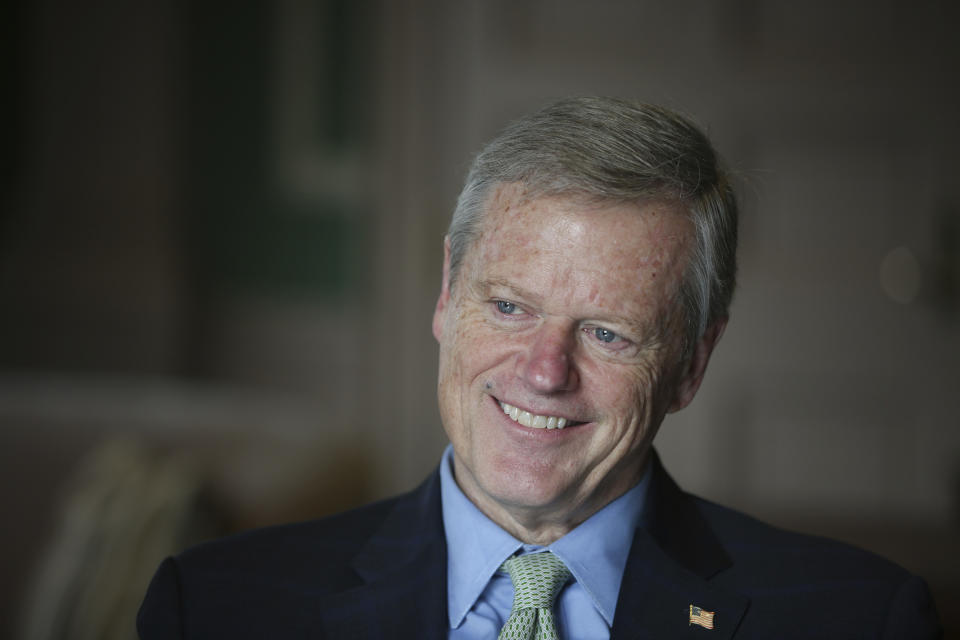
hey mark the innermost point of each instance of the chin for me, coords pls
(523, 487)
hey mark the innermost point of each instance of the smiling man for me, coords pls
(587, 276)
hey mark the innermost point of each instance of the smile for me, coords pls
(533, 420)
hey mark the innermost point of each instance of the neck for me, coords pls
(543, 524)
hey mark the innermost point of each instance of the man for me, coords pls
(587, 276)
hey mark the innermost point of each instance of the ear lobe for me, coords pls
(692, 376)
(443, 300)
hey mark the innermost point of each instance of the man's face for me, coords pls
(562, 312)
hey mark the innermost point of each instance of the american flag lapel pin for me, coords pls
(701, 617)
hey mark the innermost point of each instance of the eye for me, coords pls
(506, 308)
(605, 335)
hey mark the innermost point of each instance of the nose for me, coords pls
(547, 366)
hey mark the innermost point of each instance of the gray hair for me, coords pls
(616, 150)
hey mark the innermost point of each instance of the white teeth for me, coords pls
(533, 420)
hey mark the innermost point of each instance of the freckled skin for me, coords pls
(569, 268)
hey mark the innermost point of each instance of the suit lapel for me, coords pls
(673, 556)
(403, 576)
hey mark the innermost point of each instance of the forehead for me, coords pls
(575, 250)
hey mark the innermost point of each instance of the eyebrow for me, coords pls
(520, 292)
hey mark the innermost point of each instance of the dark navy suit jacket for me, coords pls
(381, 572)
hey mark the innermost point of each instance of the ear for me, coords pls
(696, 367)
(439, 314)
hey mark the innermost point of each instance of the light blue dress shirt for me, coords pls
(479, 597)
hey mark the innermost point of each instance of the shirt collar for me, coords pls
(476, 545)
(595, 551)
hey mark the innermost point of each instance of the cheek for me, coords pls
(471, 349)
(627, 394)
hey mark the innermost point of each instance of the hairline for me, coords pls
(609, 149)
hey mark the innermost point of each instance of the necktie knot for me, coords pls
(537, 579)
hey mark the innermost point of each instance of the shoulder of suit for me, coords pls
(290, 548)
(824, 584)
(753, 543)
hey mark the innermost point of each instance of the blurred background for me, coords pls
(220, 248)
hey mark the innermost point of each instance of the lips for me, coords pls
(533, 420)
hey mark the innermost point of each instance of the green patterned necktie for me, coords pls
(537, 579)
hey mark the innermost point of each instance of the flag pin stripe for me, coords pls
(701, 617)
